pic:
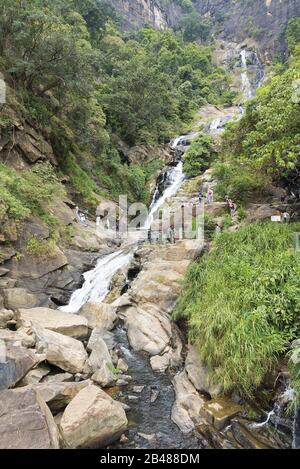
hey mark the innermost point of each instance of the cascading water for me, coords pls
(252, 75)
(246, 85)
(175, 179)
(98, 280)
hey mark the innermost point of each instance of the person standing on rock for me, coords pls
(210, 196)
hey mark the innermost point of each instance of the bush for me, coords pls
(242, 302)
(239, 182)
(27, 192)
(40, 248)
(199, 156)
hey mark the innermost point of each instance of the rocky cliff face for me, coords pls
(137, 13)
(262, 20)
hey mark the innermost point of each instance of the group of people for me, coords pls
(232, 206)
(209, 196)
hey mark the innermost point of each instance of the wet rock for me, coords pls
(99, 354)
(99, 315)
(246, 438)
(15, 363)
(65, 352)
(220, 411)
(26, 421)
(198, 373)
(92, 419)
(104, 376)
(124, 439)
(68, 324)
(150, 438)
(138, 389)
(15, 298)
(122, 365)
(188, 403)
(154, 395)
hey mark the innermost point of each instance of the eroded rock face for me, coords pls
(26, 421)
(71, 325)
(92, 419)
(64, 352)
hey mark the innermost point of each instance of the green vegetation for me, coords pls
(242, 302)
(264, 145)
(199, 156)
(87, 86)
(40, 248)
(28, 192)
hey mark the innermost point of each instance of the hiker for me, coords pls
(210, 196)
(232, 208)
(200, 196)
(171, 235)
(286, 217)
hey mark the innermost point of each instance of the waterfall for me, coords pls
(175, 179)
(253, 74)
(98, 280)
(246, 85)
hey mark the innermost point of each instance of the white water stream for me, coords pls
(98, 280)
(246, 85)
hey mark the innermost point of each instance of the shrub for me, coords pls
(199, 156)
(40, 248)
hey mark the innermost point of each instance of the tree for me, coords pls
(199, 156)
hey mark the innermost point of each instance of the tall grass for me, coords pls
(242, 302)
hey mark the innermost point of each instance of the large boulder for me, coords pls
(15, 298)
(198, 373)
(68, 324)
(148, 328)
(104, 376)
(188, 404)
(99, 354)
(107, 336)
(59, 395)
(60, 350)
(100, 315)
(15, 362)
(26, 421)
(92, 419)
